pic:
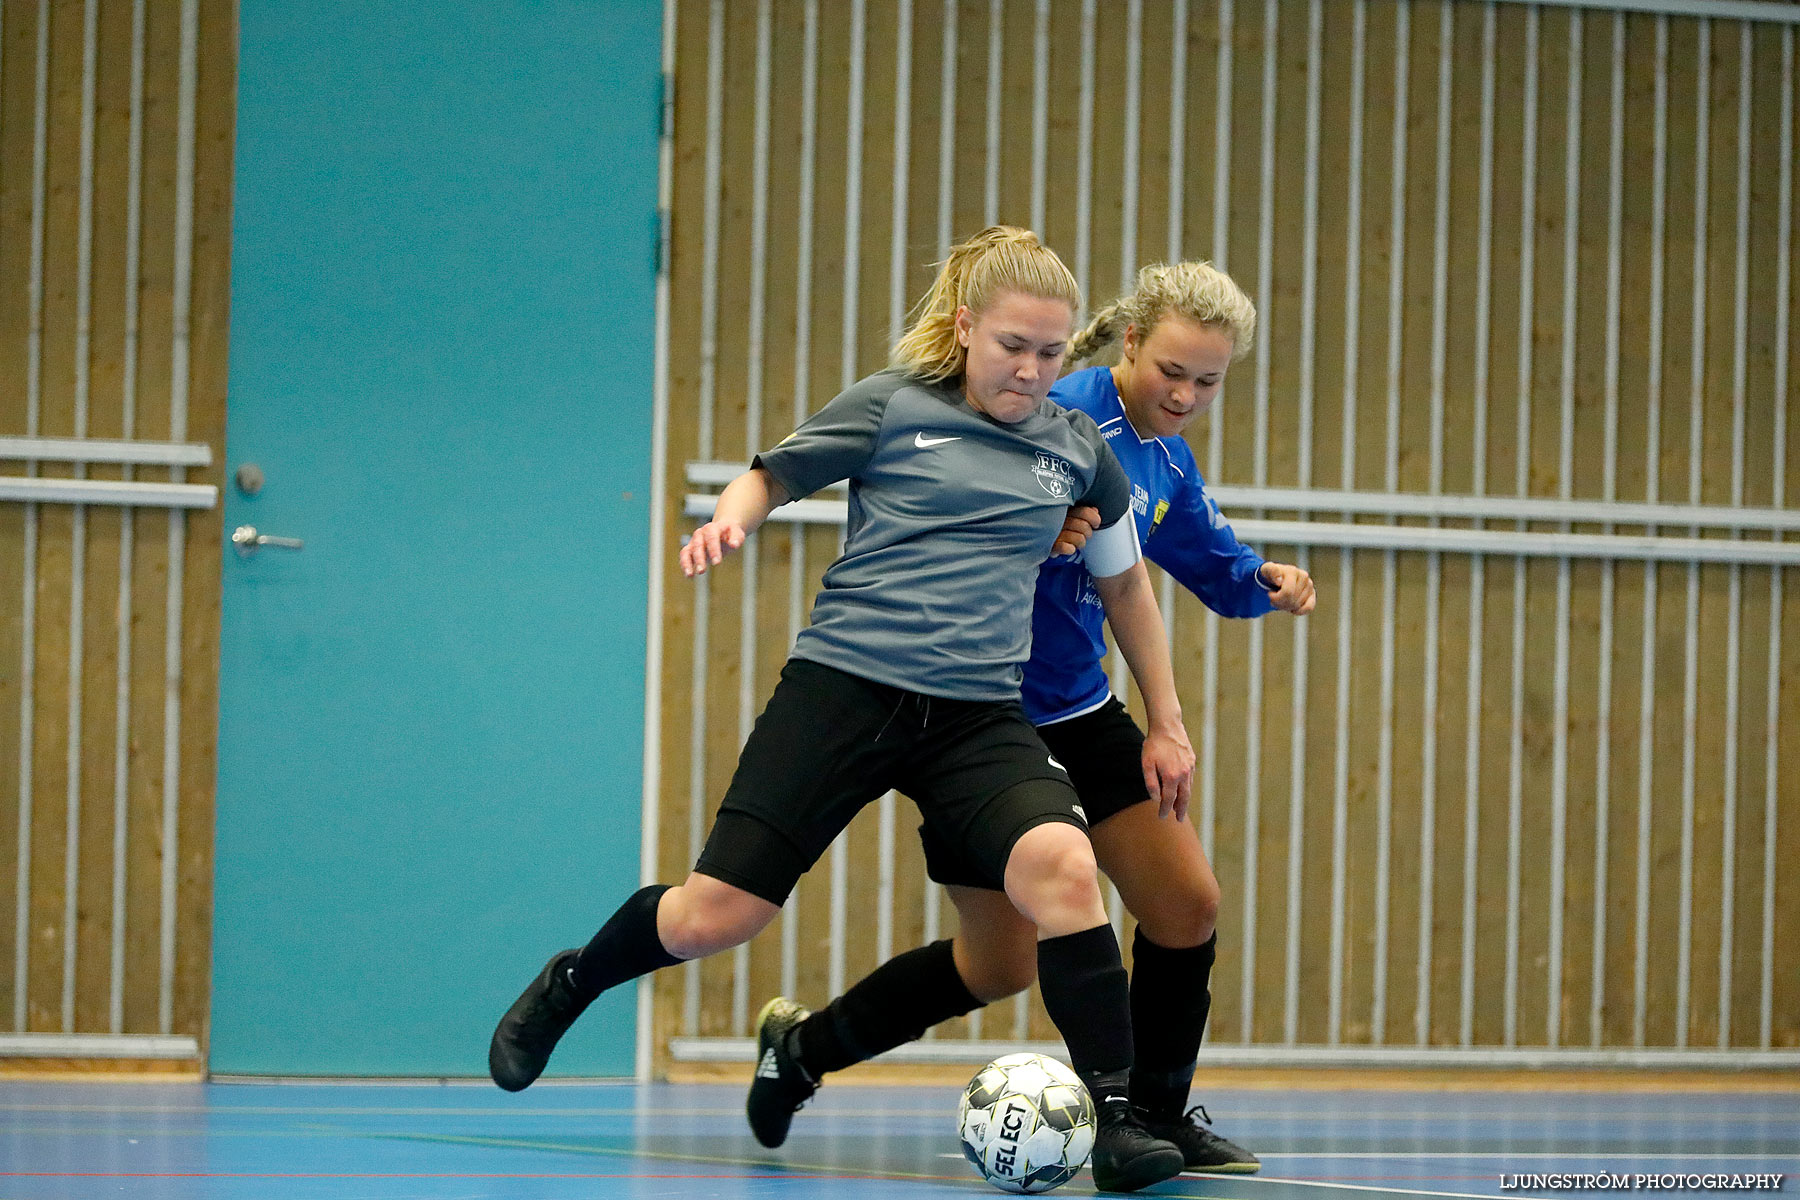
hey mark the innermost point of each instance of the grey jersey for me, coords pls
(951, 513)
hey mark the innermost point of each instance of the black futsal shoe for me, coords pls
(1201, 1149)
(781, 1085)
(1126, 1155)
(534, 1024)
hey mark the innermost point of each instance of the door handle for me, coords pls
(247, 541)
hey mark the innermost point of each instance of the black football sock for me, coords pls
(1086, 994)
(626, 946)
(1169, 1004)
(890, 1006)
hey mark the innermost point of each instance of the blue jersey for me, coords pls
(1182, 532)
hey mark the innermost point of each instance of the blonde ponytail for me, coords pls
(1101, 332)
(1001, 258)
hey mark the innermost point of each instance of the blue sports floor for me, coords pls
(150, 1141)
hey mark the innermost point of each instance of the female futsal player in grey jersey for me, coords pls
(1182, 326)
(961, 472)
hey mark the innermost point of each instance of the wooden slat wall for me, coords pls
(1503, 388)
(121, 364)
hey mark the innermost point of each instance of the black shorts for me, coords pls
(830, 742)
(1103, 753)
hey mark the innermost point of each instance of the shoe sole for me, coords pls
(764, 1016)
(1144, 1171)
(1224, 1169)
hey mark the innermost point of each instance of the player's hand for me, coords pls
(1290, 588)
(709, 545)
(1169, 770)
(1078, 526)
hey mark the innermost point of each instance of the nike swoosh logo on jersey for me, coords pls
(1057, 765)
(925, 443)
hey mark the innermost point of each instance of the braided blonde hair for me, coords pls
(1197, 291)
(1001, 258)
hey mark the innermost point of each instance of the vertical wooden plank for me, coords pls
(150, 565)
(1460, 340)
(1411, 618)
(969, 199)
(99, 682)
(1329, 360)
(1683, 225)
(1199, 132)
(1106, 268)
(825, 373)
(1195, 648)
(1062, 163)
(871, 346)
(725, 587)
(1788, 905)
(209, 330)
(920, 251)
(18, 70)
(1586, 593)
(1280, 328)
(786, 47)
(1018, 23)
(1233, 415)
(55, 525)
(689, 103)
(1154, 66)
(1757, 725)
(1786, 968)
(1635, 339)
(1714, 453)
(1497, 583)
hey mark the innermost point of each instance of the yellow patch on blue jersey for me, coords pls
(1162, 509)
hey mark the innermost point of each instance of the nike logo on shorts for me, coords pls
(925, 443)
(1057, 765)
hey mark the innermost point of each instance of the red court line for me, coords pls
(387, 1175)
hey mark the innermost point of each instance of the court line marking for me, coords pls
(1352, 1187)
(382, 1175)
(1205, 1177)
(1509, 1154)
(1358, 1115)
(774, 1167)
(150, 1134)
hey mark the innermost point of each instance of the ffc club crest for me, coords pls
(1054, 474)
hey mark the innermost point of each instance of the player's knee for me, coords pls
(698, 925)
(999, 975)
(1052, 874)
(1183, 914)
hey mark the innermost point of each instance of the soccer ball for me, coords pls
(1026, 1122)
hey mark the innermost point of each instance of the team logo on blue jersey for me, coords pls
(1054, 474)
(1140, 500)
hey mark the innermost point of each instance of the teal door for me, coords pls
(431, 716)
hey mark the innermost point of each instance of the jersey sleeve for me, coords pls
(834, 443)
(1111, 490)
(1194, 544)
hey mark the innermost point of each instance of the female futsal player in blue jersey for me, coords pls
(961, 473)
(1181, 327)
